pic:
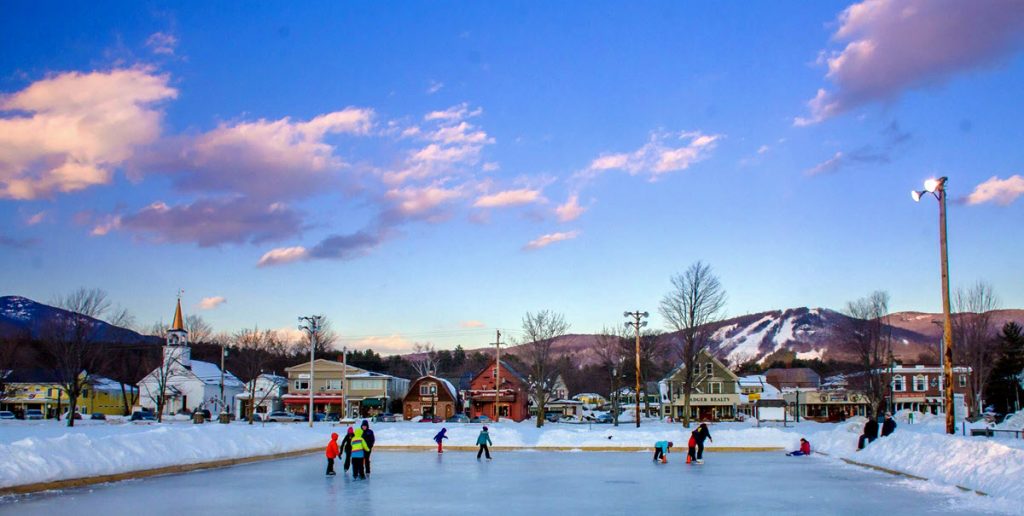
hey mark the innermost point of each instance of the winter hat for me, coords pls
(670, 444)
(485, 429)
(351, 431)
(334, 436)
(365, 424)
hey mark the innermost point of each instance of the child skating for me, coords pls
(661, 449)
(439, 439)
(346, 448)
(483, 441)
(332, 453)
(359, 453)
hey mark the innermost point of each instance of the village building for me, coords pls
(510, 401)
(921, 388)
(793, 378)
(39, 389)
(367, 393)
(270, 390)
(185, 384)
(591, 400)
(754, 388)
(430, 396)
(716, 391)
(564, 407)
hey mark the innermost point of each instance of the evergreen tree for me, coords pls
(1004, 386)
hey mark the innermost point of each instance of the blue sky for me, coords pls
(431, 172)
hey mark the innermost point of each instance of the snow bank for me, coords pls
(982, 464)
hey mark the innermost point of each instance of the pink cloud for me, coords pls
(663, 153)
(571, 210)
(68, 132)
(472, 324)
(212, 222)
(509, 198)
(283, 255)
(162, 43)
(551, 238)
(999, 191)
(209, 303)
(892, 46)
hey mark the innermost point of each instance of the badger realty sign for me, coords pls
(712, 399)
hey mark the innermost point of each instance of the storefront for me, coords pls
(707, 407)
(826, 406)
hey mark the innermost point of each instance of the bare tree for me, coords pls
(426, 360)
(69, 347)
(199, 331)
(10, 358)
(610, 348)
(255, 350)
(121, 318)
(540, 329)
(158, 382)
(697, 300)
(870, 337)
(128, 364)
(976, 342)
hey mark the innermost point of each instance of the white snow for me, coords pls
(748, 344)
(810, 355)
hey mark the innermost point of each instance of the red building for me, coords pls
(920, 387)
(430, 396)
(512, 399)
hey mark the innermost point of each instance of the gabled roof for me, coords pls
(447, 385)
(210, 374)
(793, 377)
(303, 367)
(703, 354)
(505, 368)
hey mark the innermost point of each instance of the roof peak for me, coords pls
(179, 323)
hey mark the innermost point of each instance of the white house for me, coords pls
(186, 384)
(269, 390)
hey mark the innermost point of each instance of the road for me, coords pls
(518, 483)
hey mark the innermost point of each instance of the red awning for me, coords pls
(295, 399)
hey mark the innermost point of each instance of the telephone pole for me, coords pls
(344, 382)
(636, 323)
(497, 375)
(311, 325)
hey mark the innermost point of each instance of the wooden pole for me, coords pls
(497, 375)
(947, 327)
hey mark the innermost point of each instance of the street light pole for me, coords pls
(937, 187)
(636, 324)
(497, 375)
(312, 325)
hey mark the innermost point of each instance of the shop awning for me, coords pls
(373, 402)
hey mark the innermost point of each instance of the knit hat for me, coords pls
(351, 430)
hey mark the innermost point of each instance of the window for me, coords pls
(301, 385)
(428, 389)
(920, 383)
(364, 385)
(708, 368)
(334, 385)
(963, 380)
(897, 383)
(715, 388)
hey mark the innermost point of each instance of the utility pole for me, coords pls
(636, 324)
(497, 375)
(223, 353)
(311, 324)
(344, 382)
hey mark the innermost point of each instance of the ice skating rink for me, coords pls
(522, 482)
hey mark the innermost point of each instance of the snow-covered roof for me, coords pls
(101, 383)
(210, 374)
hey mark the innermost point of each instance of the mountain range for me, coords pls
(22, 317)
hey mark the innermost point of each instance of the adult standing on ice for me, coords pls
(359, 452)
(889, 425)
(332, 453)
(370, 439)
(699, 435)
(483, 441)
(439, 438)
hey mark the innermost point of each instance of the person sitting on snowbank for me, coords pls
(869, 435)
(805, 449)
(889, 425)
(661, 448)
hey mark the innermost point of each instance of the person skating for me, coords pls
(359, 451)
(439, 439)
(889, 425)
(699, 435)
(691, 449)
(661, 449)
(483, 441)
(346, 448)
(370, 439)
(332, 453)
(869, 435)
(805, 449)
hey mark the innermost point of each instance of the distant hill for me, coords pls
(23, 317)
(807, 333)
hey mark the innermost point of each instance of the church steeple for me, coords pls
(179, 324)
(176, 350)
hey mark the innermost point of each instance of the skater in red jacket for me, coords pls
(332, 453)
(805, 449)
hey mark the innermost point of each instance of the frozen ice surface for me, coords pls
(522, 483)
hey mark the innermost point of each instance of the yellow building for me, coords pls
(38, 389)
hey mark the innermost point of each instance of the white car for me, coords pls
(284, 417)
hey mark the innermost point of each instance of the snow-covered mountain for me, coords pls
(22, 317)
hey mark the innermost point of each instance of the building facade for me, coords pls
(39, 389)
(715, 396)
(270, 390)
(430, 396)
(510, 401)
(921, 388)
(367, 393)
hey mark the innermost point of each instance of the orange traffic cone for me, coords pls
(664, 460)
(689, 459)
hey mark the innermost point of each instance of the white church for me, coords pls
(187, 384)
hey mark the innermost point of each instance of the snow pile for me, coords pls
(976, 463)
(1013, 421)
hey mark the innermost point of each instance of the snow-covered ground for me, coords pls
(524, 483)
(40, 451)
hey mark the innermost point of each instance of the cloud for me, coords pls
(68, 132)
(999, 191)
(162, 43)
(212, 222)
(17, 243)
(663, 153)
(393, 344)
(490, 166)
(435, 86)
(893, 138)
(546, 240)
(105, 225)
(895, 45)
(472, 324)
(452, 145)
(763, 149)
(422, 203)
(209, 303)
(509, 198)
(267, 159)
(347, 247)
(36, 218)
(282, 255)
(571, 210)
(457, 112)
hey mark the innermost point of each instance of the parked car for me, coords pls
(6, 414)
(386, 417)
(429, 419)
(480, 419)
(143, 415)
(78, 415)
(98, 416)
(332, 416)
(33, 414)
(604, 419)
(553, 417)
(457, 418)
(284, 417)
